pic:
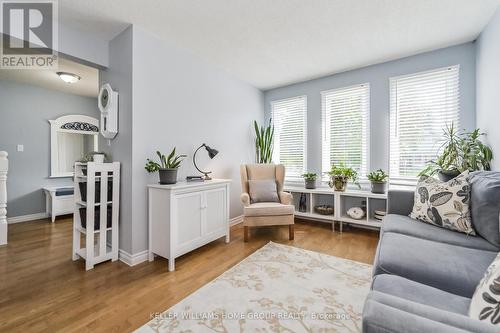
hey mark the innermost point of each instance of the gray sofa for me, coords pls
(424, 276)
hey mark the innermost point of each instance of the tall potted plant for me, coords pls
(340, 175)
(263, 142)
(167, 168)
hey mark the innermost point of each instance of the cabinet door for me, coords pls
(215, 210)
(187, 222)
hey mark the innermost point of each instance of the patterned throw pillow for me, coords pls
(485, 303)
(445, 204)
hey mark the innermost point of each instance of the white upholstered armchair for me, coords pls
(279, 210)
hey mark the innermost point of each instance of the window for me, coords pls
(290, 134)
(422, 104)
(346, 113)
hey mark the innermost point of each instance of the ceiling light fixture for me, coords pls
(68, 77)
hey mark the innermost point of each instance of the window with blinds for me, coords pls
(289, 117)
(421, 106)
(345, 126)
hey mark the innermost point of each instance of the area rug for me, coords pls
(278, 288)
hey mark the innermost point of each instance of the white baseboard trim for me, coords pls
(236, 220)
(133, 259)
(26, 218)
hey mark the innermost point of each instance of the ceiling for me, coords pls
(47, 78)
(274, 43)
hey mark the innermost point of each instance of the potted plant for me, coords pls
(460, 152)
(167, 167)
(378, 181)
(310, 180)
(95, 156)
(340, 175)
(263, 142)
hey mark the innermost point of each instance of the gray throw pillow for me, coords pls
(485, 302)
(485, 204)
(445, 204)
(263, 191)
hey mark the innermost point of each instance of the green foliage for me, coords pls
(89, 157)
(460, 152)
(344, 174)
(378, 176)
(310, 176)
(263, 142)
(166, 162)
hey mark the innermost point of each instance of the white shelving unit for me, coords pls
(341, 202)
(100, 240)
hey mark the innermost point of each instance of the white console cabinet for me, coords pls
(185, 216)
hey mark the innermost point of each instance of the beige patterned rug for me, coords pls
(278, 288)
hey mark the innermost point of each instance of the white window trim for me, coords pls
(304, 97)
(324, 129)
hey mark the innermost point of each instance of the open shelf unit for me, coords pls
(97, 185)
(341, 202)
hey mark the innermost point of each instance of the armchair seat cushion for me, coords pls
(268, 209)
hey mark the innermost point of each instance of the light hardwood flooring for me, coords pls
(43, 290)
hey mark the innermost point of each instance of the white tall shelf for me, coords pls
(341, 202)
(100, 244)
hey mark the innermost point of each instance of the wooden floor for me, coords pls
(43, 290)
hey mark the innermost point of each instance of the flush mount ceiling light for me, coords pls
(68, 77)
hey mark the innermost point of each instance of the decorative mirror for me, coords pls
(70, 138)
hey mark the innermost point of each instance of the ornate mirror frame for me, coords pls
(77, 124)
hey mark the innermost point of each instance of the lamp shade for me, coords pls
(211, 152)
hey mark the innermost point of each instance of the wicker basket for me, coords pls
(324, 209)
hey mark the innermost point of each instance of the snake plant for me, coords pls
(263, 142)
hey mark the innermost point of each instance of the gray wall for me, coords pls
(178, 100)
(378, 77)
(488, 85)
(120, 76)
(24, 114)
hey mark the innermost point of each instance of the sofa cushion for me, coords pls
(485, 204)
(445, 204)
(386, 313)
(268, 209)
(264, 190)
(420, 293)
(485, 303)
(452, 268)
(411, 227)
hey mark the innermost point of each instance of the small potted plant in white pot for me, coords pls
(310, 180)
(340, 175)
(378, 181)
(167, 168)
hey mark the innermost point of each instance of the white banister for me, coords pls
(4, 167)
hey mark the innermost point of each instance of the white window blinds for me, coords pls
(421, 104)
(290, 135)
(346, 113)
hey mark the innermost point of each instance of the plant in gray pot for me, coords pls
(310, 180)
(378, 180)
(167, 168)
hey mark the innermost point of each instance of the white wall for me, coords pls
(179, 101)
(488, 85)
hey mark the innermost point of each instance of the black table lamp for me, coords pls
(211, 153)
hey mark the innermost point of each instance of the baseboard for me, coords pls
(26, 218)
(236, 220)
(132, 259)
